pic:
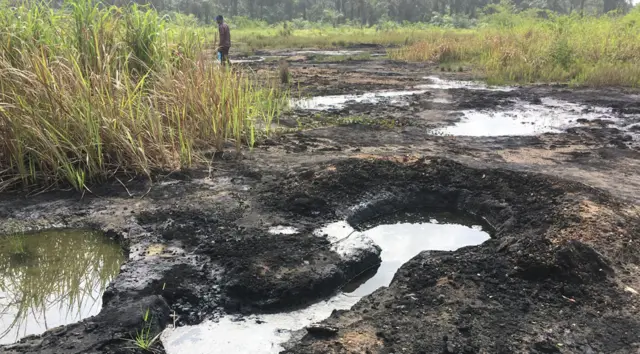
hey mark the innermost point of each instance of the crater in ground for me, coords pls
(400, 238)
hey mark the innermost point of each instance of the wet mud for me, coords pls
(559, 274)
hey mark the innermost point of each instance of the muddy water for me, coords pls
(329, 52)
(400, 240)
(320, 52)
(442, 84)
(521, 118)
(53, 278)
(392, 97)
(341, 101)
(551, 116)
(246, 60)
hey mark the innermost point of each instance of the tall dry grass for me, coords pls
(94, 93)
(522, 47)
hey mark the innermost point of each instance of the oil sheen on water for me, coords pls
(400, 238)
(53, 278)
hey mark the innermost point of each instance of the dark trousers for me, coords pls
(224, 55)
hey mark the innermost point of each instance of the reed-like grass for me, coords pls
(326, 37)
(595, 51)
(90, 93)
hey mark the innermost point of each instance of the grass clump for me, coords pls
(589, 50)
(143, 339)
(91, 92)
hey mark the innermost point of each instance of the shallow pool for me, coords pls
(401, 238)
(53, 278)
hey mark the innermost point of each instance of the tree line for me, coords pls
(370, 12)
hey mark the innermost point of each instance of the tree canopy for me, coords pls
(371, 11)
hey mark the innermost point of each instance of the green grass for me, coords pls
(144, 339)
(593, 51)
(91, 93)
(329, 37)
(246, 38)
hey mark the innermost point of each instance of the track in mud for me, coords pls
(240, 241)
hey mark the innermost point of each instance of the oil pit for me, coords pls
(400, 237)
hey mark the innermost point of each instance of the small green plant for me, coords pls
(144, 339)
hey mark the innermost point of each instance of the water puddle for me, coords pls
(283, 230)
(325, 52)
(442, 100)
(394, 97)
(248, 60)
(341, 101)
(53, 278)
(442, 84)
(524, 118)
(400, 240)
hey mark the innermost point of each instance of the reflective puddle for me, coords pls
(400, 240)
(391, 97)
(324, 52)
(341, 101)
(247, 60)
(442, 84)
(53, 278)
(551, 116)
(518, 119)
(283, 230)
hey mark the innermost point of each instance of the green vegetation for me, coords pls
(144, 339)
(524, 47)
(305, 13)
(89, 92)
(327, 36)
(53, 278)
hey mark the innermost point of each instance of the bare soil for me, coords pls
(560, 274)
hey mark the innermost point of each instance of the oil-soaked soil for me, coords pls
(559, 276)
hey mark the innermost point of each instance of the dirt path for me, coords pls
(560, 274)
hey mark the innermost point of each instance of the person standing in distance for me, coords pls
(225, 41)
